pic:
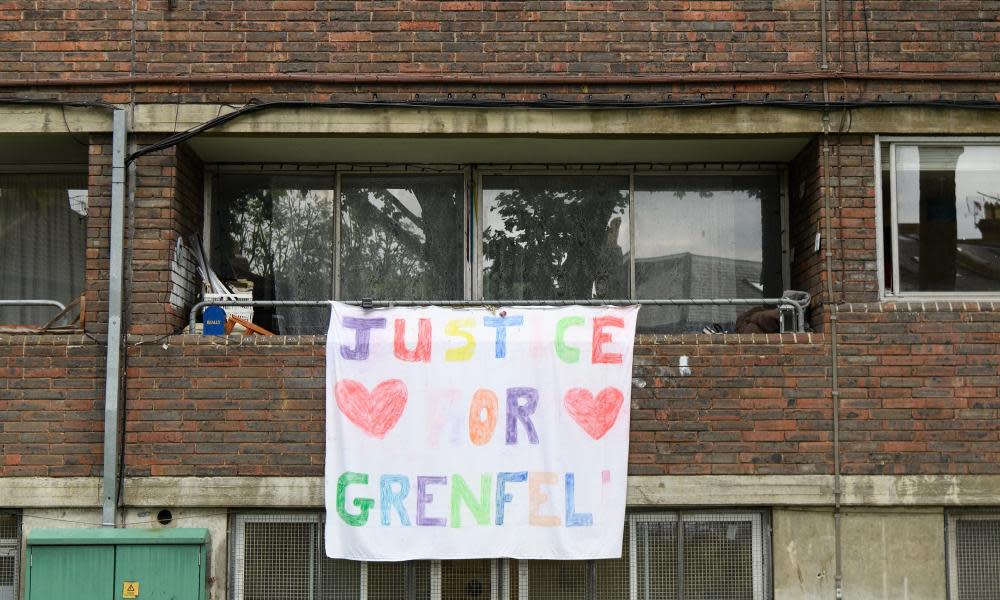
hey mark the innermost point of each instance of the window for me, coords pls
(705, 236)
(565, 233)
(673, 555)
(43, 229)
(555, 237)
(10, 547)
(941, 213)
(973, 541)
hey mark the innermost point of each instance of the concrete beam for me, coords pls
(50, 492)
(921, 490)
(677, 490)
(443, 121)
(636, 122)
(41, 118)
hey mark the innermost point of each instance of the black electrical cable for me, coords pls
(183, 136)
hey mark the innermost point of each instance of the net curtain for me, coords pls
(43, 227)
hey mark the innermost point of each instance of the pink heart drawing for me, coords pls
(376, 412)
(597, 414)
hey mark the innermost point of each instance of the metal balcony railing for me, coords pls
(793, 303)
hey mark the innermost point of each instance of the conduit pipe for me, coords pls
(834, 374)
(508, 80)
(112, 375)
(822, 35)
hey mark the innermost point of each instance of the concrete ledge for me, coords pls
(41, 118)
(921, 490)
(676, 490)
(642, 122)
(237, 492)
(50, 492)
(730, 490)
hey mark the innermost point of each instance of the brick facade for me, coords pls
(760, 40)
(919, 383)
(51, 406)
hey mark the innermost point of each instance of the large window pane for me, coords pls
(948, 218)
(705, 236)
(401, 237)
(43, 231)
(556, 237)
(276, 232)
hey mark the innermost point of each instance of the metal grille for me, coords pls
(974, 556)
(720, 557)
(282, 556)
(665, 556)
(574, 579)
(10, 545)
(469, 580)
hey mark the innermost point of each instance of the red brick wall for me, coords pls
(168, 204)
(850, 187)
(98, 232)
(920, 387)
(55, 39)
(51, 406)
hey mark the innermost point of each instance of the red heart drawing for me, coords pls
(595, 415)
(376, 412)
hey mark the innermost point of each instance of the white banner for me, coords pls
(476, 433)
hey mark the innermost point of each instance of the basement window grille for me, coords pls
(665, 555)
(973, 556)
(10, 546)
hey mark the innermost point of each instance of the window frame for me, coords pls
(892, 142)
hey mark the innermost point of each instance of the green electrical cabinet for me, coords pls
(117, 564)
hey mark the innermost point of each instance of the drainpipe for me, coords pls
(112, 376)
(824, 65)
(834, 374)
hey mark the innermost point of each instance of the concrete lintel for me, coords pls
(730, 490)
(50, 492)
(671, 490)
(917, 490)
(443, 121)
(236, 492)
(43, 118)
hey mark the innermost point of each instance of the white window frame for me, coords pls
(895, 294)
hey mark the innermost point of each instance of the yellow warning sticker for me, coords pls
(130, 589)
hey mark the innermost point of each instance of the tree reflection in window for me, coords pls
(277, 232)
(555, 237)
(401, 237)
